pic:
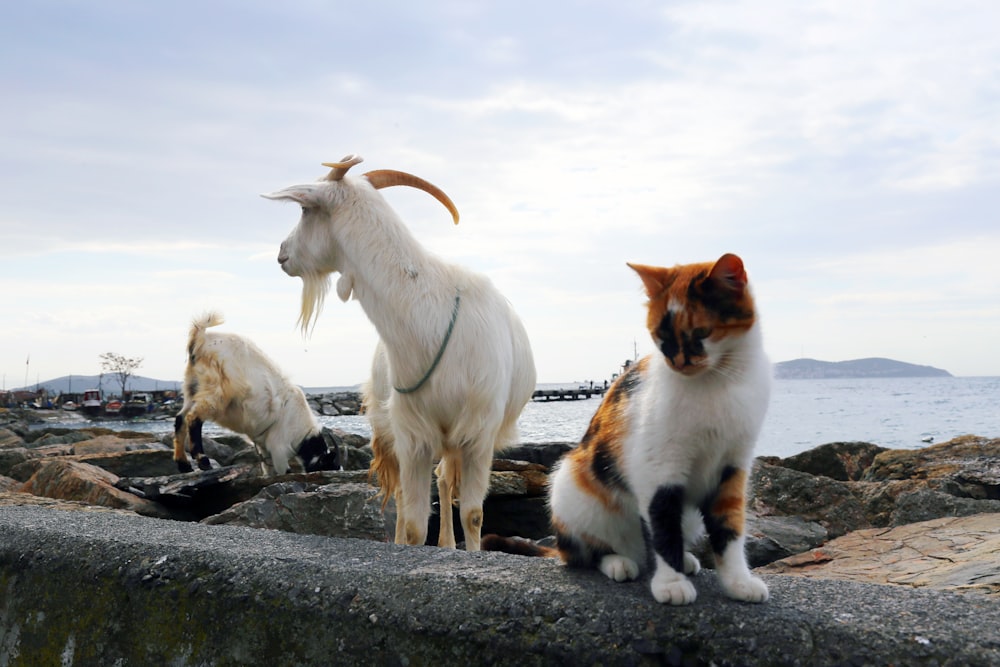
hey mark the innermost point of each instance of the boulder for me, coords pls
(334, 510)
(842, 461)
(12, 456)
(779, 491)
(63, 479)
(9, 438)
(968, 466)
(952, 553)
(105, 444)
(11, 497)
(156, 460)
(770, 538)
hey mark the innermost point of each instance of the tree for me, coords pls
(120, 366)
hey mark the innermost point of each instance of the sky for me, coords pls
(848, 151)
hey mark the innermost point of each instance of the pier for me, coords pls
(567, 394)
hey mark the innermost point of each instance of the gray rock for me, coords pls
(335, 510)
(779, 491)
(771, 538)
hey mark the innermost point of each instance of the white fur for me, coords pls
(239, 387)
(469, 406)
(682, 430)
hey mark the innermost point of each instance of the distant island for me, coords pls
(874, 367)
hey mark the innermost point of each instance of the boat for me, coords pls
(138, 404)
(113, 407)
(69, 405)
(91, 402)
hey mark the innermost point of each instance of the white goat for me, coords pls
(228, 380)
(452, 346)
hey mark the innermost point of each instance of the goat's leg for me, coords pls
(180, 444)
(415, 466)
(475, 484)
(400, 536)
(197, 446)
(446, 470)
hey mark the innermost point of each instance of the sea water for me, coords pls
(899, 413)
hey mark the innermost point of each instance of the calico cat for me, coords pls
(668, 451)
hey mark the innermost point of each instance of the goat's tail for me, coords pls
(518, 546)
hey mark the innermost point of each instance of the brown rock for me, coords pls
(959, 554)
(71, 480)
(10, 439)
(19, 498)
(967, 466)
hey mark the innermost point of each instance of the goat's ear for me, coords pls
(345, 286)
(307, 195)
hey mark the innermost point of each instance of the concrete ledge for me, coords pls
(82, 588)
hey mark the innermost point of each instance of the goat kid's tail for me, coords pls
(198, 326)
(519, 546)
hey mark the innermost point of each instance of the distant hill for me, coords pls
(874, 367)
(76, 384)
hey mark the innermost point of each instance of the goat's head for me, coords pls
(312, 250)
(317, 453)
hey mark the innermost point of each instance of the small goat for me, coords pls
(451, 346)
(228, 380)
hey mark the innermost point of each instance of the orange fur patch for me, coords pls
(730, 504)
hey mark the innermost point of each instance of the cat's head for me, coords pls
(696, 312)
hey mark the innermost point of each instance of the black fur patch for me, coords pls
(605, 468)
(194, 433)
(629, 382)
(666, 332)
(577, 553)
(719, 299)
(665, 512)
(316, 455)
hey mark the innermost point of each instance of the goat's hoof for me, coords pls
(204, 463)
(184, 466)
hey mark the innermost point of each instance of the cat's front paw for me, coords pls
(691, 563)
(671, 587)
(747, 589)
(619, 568)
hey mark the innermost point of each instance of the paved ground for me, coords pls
(79, 588)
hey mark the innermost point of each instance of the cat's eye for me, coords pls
(701, 333)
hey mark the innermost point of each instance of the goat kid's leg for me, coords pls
(180, 444)
(415, 469)
(445, 470)
(475, 485)
(197, 446)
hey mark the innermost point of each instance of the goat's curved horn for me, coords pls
(385, 178)
(338, 169)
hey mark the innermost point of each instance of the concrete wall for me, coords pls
(87, 588)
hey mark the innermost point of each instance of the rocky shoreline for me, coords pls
(917, 518)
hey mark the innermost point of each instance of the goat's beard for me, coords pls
(314, 289)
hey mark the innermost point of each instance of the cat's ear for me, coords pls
(729, 273)
(656, 279)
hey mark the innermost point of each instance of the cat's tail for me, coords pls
(519, 546)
